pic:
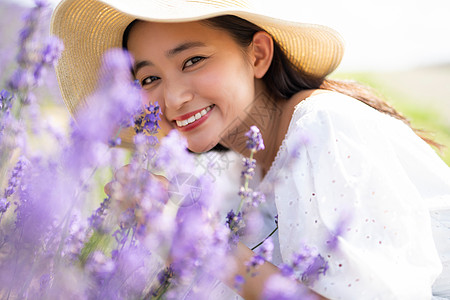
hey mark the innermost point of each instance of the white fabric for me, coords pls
(343, 162)
(341, 158)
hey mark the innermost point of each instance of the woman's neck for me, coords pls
(272, 116)
(269, 115)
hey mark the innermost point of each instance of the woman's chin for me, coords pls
(201, 148)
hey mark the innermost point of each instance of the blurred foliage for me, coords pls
(435, 122)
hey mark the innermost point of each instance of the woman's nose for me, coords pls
(177, 93)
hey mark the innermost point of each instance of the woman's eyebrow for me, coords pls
(140, 64)
(183, 46)
(169, 53)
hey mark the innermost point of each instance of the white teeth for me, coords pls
(194, 118)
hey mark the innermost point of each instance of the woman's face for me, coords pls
(200, 76)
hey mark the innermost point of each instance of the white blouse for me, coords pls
(345, 165)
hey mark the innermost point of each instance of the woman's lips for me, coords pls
(193, 119)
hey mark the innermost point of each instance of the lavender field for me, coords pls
(63, 237)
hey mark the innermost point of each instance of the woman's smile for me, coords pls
(201, 77)
(193, 119)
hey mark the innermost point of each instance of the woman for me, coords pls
(332, 150)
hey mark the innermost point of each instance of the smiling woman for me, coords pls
(195, 69)
(336, 161)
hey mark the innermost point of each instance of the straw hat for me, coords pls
(90, 27)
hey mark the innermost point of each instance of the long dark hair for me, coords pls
(284, 80)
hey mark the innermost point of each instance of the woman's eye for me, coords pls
(148, 80)
(193, 61)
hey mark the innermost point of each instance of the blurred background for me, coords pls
(401, 48)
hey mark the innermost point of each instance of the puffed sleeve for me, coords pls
(348, 174)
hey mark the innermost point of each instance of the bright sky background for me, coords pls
(379, 35)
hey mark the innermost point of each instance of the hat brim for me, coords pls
(88, 28)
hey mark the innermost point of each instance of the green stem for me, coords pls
(245, 185)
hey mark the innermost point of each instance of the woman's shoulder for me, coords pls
(318, 104)
(326, 100)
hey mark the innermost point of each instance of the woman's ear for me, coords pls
(262, 53)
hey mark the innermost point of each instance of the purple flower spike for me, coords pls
(255, 141)
(263, 254)
(52, 50)
(5, 95)
(99, 266)
(279, 287)
(41, 3)
(16, 175)
(309, 263)
(148, 121)
(266, 249)
(236, 224)
(96, 219)
(4, 204)
(249, 167)
(238, 282)
(257, 198)
(20, 80)
(317, 267)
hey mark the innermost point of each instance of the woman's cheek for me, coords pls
(145, 97)
(165, 125)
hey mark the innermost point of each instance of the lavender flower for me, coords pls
(16, 175)
(97, 218)
(146, 126)
(128, 274)
(164, 281)
(308, 263)
(101, 120)
(199, 247)
(317, 267)
(278, 287)
(20, 80)
(254, 142)
(249, 167)
(266, 249)
(235, 223)
(32, 59)
(4, 204)
(257, 198)
(127, 224)
(248, 196)
(13, 182)
(115, 142)
(77, 237)
(117, 90)
(262, 254)
(256, 260)
(173, 157)
(49, 54)
(238, 282)
(148, 121)
(51, 51)
(5, 95)
(333, 239)
(49, 243)
(100, 267)
(41, 3)
(5, 101)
